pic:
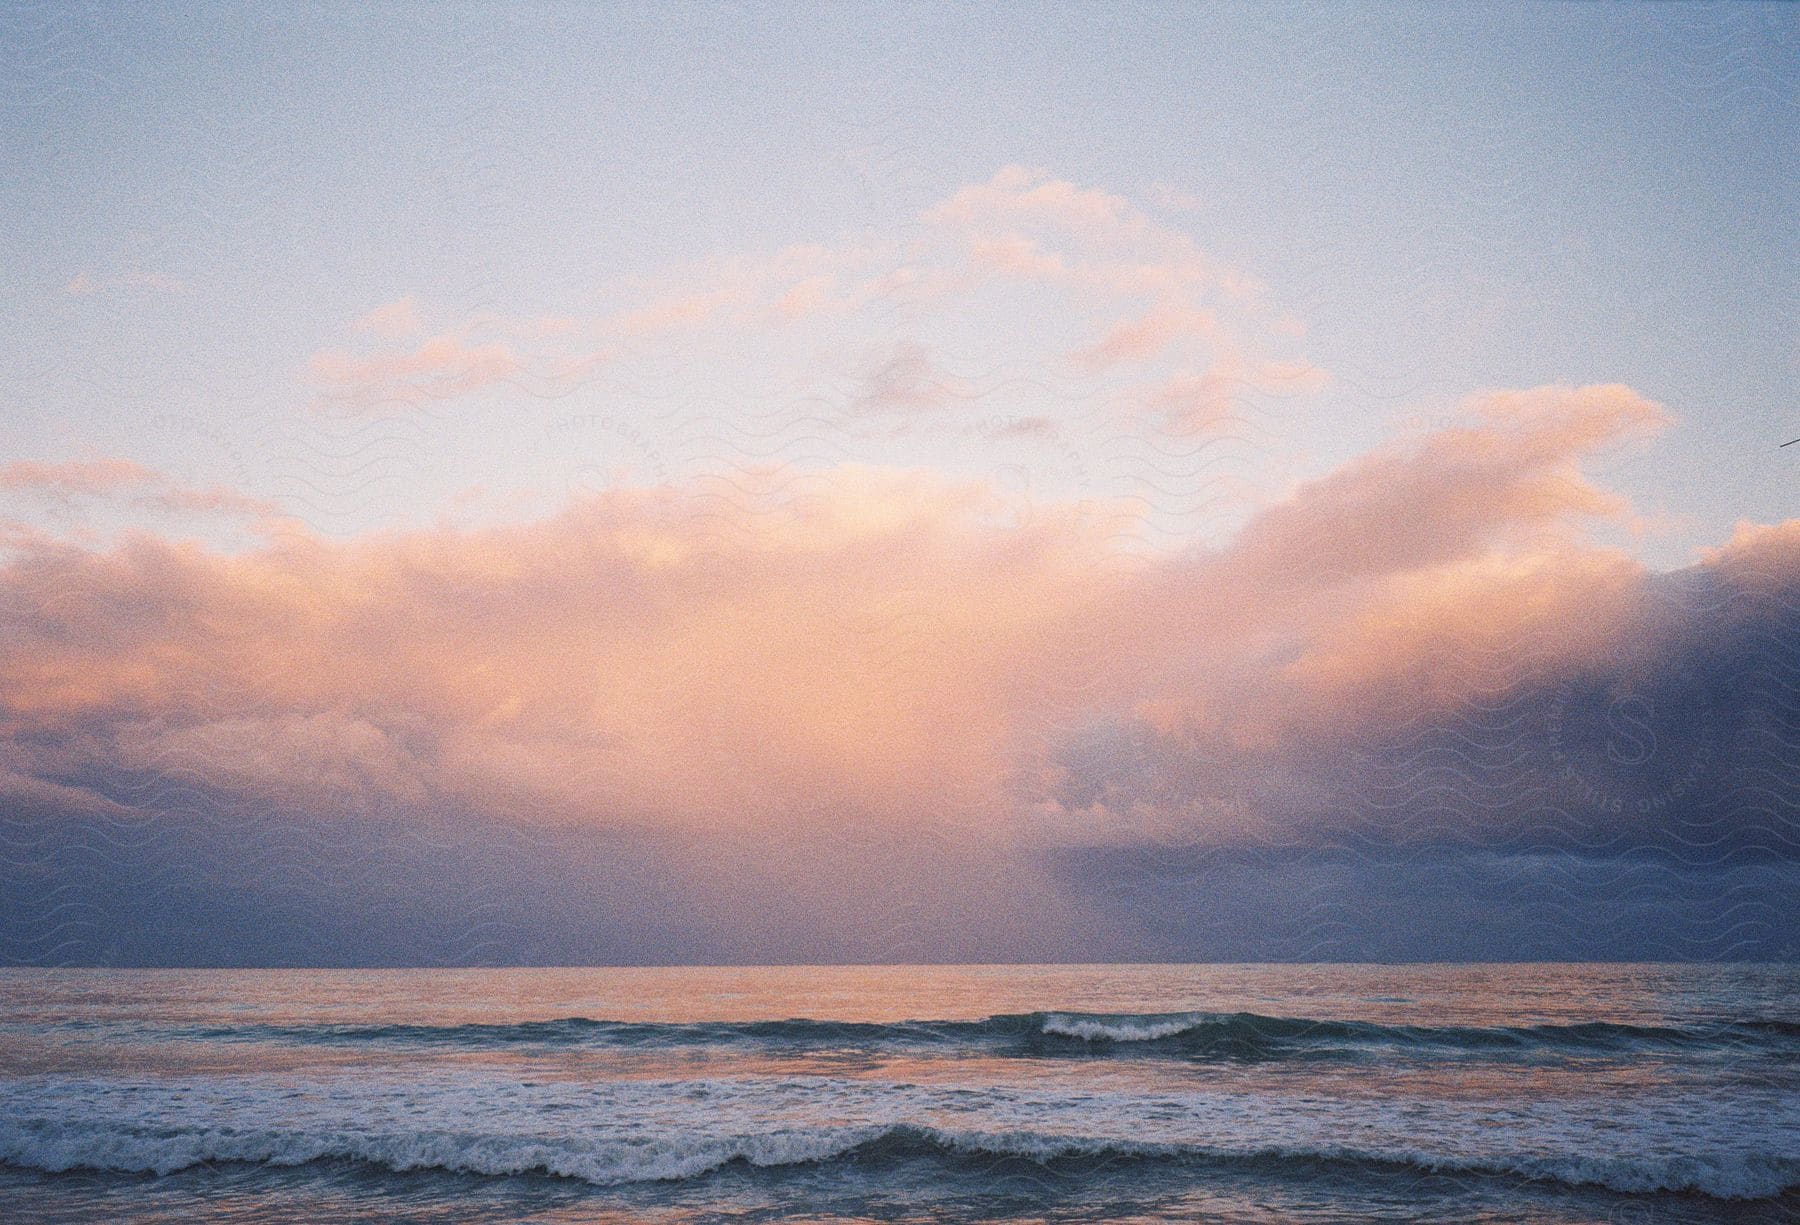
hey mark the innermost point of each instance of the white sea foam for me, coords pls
(61, 1147)
(647, 1131)
(1134, 1029)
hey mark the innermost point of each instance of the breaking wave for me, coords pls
(54, 1147)
(1198, 1035)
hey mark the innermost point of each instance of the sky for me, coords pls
(553, 484)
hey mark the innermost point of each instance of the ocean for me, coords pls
(1250, 1093)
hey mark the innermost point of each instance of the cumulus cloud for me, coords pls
(884, 641)
(1420, 647)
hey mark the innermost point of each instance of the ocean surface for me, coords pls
(1542, 1093)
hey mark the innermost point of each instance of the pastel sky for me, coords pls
(563, 484)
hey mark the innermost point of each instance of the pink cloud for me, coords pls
(216, 500)
(394, 319)
(679, 311)
(1028, 224)
(124, 478)
(95, 476)
(1017, 255)
(1018, 195)
(439, 368)
(759, 649)
(1097, 250)
(1149, 335)
(1170, 303)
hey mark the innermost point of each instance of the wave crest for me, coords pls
(1193, 1035)
(60, 1147)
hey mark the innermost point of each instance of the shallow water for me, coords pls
(1609, 1093)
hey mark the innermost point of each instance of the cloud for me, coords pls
(609, 661)
(123, 478)
(551, 354)
(439, 368)
(1023, 256)
(1024, 223)
(883, 639)
(1761, 554)
(1188, 404)
(672, 313)
(1021, 196)
(1004, 428)
(1217, 348)
(24, 792)
(1018, 256)
(1148, 335)
(1455, 493)
(393, 319)
(907, 381)
(1420, 648)
(84, 477)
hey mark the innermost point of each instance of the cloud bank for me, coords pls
(870, 713)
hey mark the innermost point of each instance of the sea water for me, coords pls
(1560, 1093)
